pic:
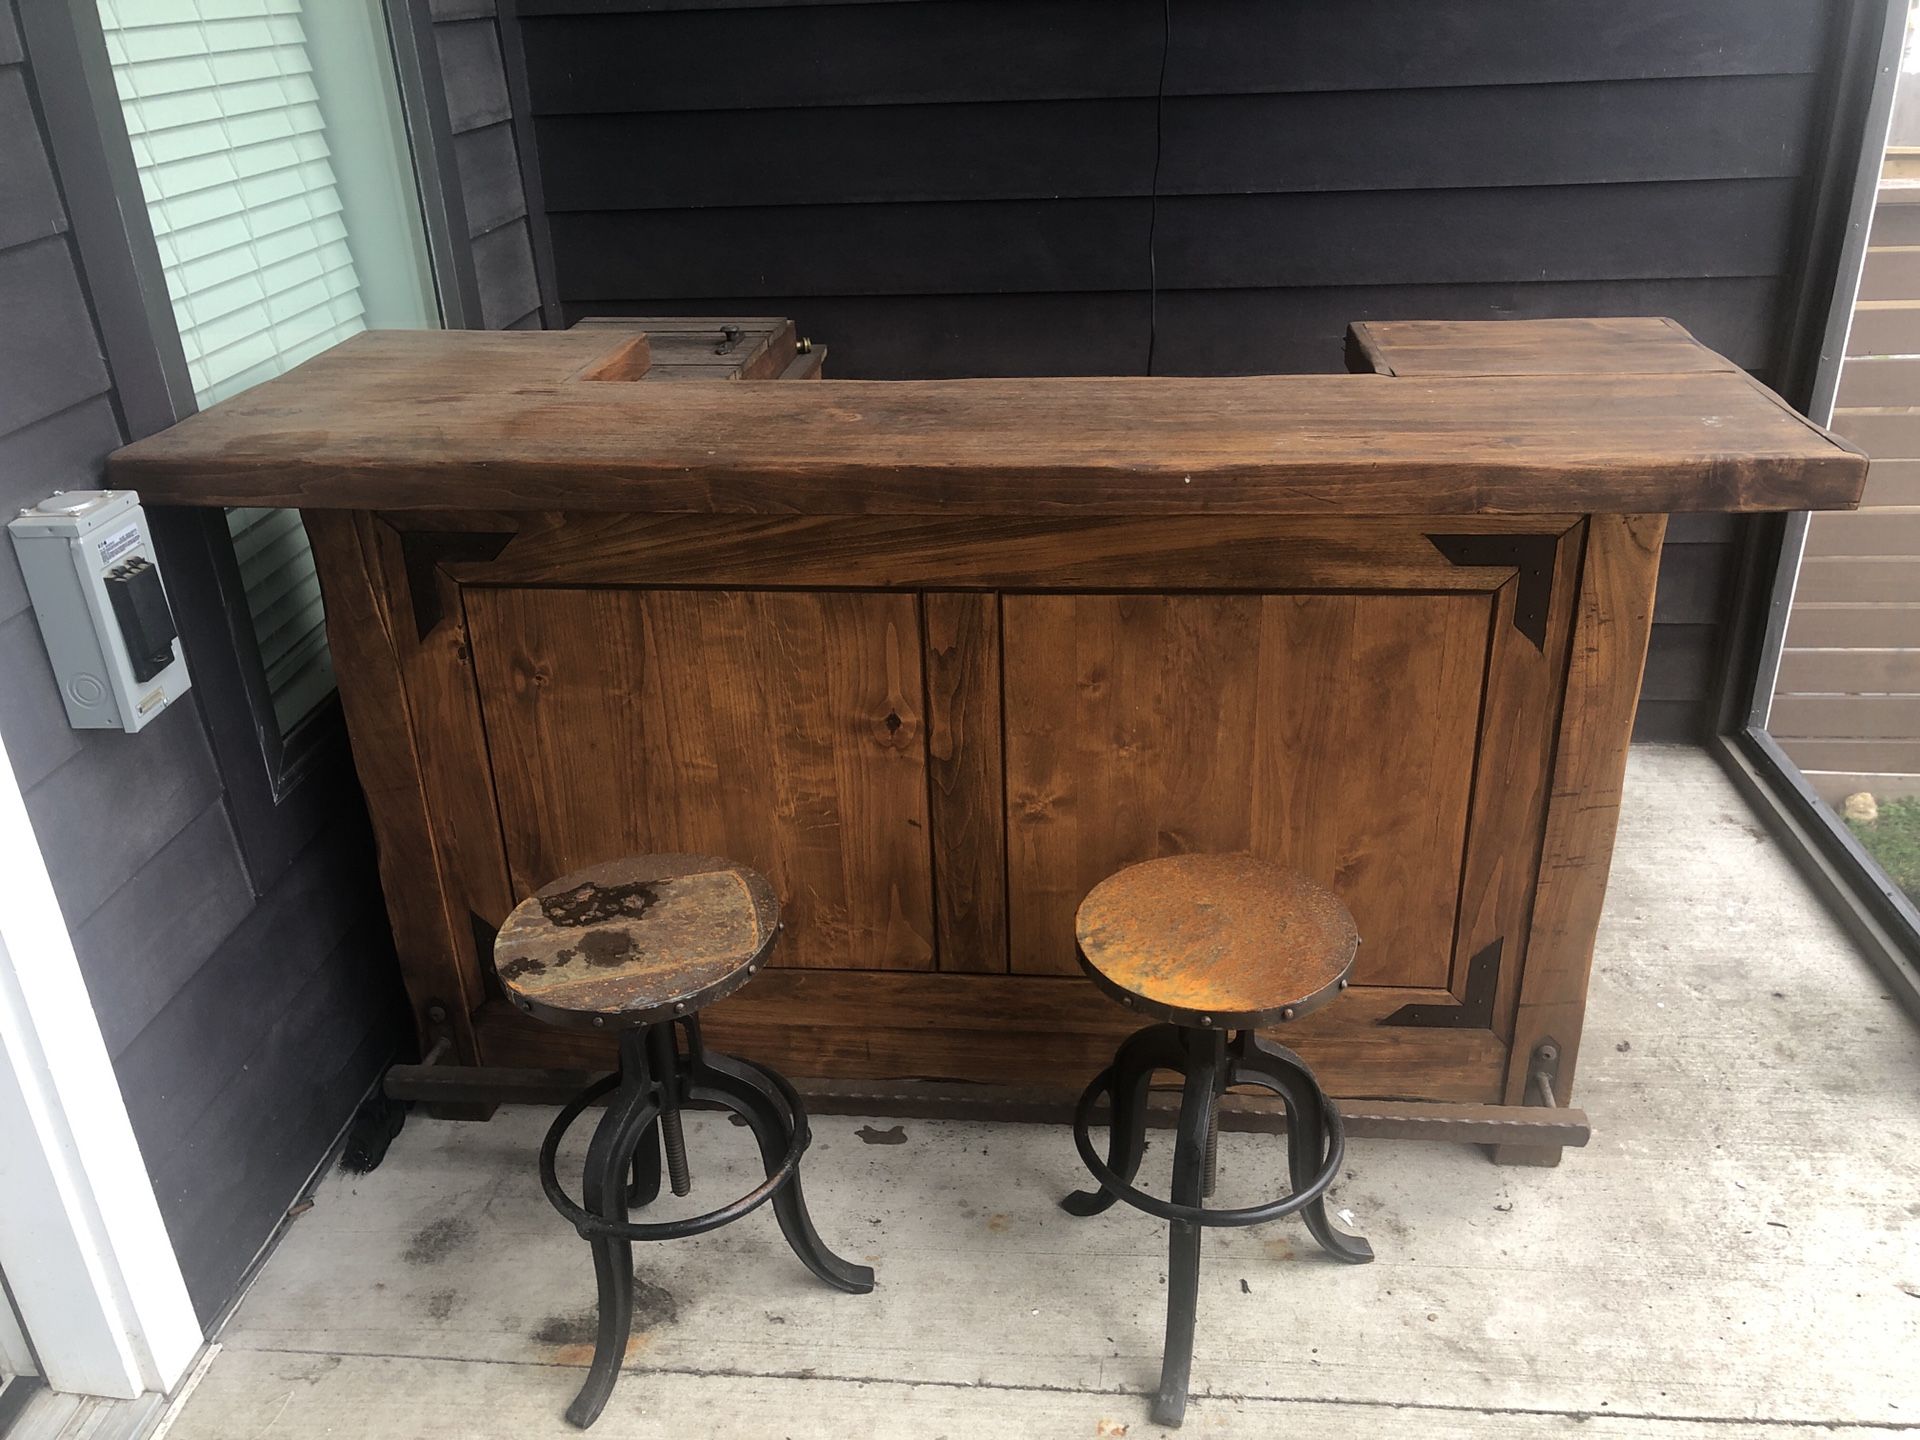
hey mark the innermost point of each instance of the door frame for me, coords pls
(1881, 920)
(85, 1254)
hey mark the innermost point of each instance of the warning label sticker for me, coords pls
(113, 547)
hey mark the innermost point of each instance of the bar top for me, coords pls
(1506, 417)
(1623, 345)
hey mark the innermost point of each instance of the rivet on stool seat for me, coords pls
(640, 946)
(1212, 944)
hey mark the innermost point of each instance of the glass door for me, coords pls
(1832, 733)
(1845, 706)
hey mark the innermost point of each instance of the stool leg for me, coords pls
(1197, 1097)
(1308, 1136)
(741, 1088)
(1158, 1047)
(645, 1188)
(629, 1116)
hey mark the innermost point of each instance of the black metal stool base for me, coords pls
(1316, 1145)
(623, 1171)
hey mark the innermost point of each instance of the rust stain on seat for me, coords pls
(588, 903)
(1217, 936)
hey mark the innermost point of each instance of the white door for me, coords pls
(84, 1254)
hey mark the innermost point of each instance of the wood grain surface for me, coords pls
(783, 730)
(1611, 624)
(1014, 1029)
(368, 634)
(413, 420)
(966, 779)
(635, 940)
(1625, 345)
(1512, 771)
(1334, 734)
(939, 659)
(1249, 552)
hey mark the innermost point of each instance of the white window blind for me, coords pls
(239, 183)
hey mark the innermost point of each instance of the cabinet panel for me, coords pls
(1334, 733)
(782, 729)
(964, 763)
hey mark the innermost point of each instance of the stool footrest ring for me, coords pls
(591, 1226)
(1225, 1217)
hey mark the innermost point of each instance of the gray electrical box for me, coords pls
(96, 591)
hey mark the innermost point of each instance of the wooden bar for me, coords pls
(421, 420)
(937, 656)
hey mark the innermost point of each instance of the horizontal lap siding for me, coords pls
(1714, 128)
(134, 828)
(711, 57)
(487, 161)
(1729, 229)
(965, 187)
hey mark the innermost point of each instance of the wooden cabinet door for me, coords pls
(1332, 733)
(1388, 734)
(782, 729)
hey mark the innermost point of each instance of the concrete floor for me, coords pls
(1737, 1252)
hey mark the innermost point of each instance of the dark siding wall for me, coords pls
(964, 187)
(243, 1027)
(486, 153)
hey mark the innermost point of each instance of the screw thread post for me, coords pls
(1212, 1176)
(675, 1142)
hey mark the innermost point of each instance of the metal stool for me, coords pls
(639, 946)
(1217, 945)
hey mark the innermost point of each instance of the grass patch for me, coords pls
(1894, 840)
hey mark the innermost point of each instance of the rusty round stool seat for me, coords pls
(1232, 941)
(636, 947)
(1215, 946)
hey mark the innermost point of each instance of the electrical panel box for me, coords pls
(96, 591)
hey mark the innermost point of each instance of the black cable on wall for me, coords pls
(1153, 194)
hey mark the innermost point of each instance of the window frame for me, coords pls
(280, 789)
